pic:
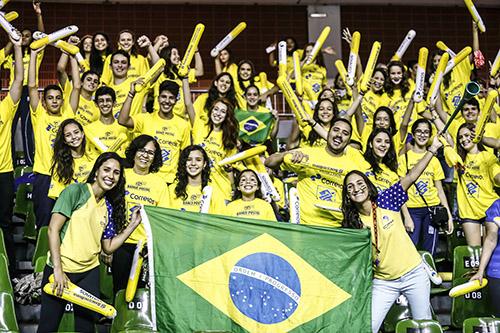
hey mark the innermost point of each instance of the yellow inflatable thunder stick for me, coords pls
(135, 271)
(443, 47)
(418, 95)
(496, 65)
(267, 187)
(257, 150)
(404, 45)
(228, 39)
(294, 205)
(343, 74)
(282, 59)
(432, 95)
(467, 287)
(11, 16)
(299, 84)
(3, 3)
(206, 197)
(293, 100)
(81, 297)
(475, 15)
(461, 56)
(53, 37)
(353, 59)
(370, 66)
(60, 44)
(471, 90)
(318, 45)
(13, 32)
(150, 75)
(485, 115)
(191, 49)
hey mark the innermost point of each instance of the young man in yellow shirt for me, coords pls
(321, 172)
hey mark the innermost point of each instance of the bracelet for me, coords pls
(432, 152)
(131, 95)
(315, 123)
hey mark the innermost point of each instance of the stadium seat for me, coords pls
(106, 284)
(399, 311)
(479, 325)
(67, 323)
(40, 264)
(427, 326)
(29, 224)
(42, 244)
(134, 316)
(474, 304)
(435, 289)
(3, 250)
(23, 199)
(457, 238)
(8, 322)
(5, 284)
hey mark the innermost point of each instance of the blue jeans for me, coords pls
(424, 233)
(414, 285)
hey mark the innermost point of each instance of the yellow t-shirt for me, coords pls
(370, 103)
(179, 107)
(148, 190)
(384, 179)
(81, 169)
(315, 76)
(280, 187)
(88, 223)
(172, 136)
(7, 112)
(121, 91)
(425, 183)
(192, 202)
(320, 181)
(139, 65)
(257, 209)
(87, 111)
(233, 70)
(9, 65)
(398, 103)
(214, 148)
(397, 254)
(45, 126)
(475, 188)
(108, 135)
(460, 76)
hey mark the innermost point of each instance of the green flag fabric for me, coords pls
(254, 126)
(223, 274)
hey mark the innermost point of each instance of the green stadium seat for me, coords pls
(457, 238)
(3, 250)
(134, 316)
(67, 323)
(42, 244)
(29, 224)
(482, 325)
(5, 284)
(106, 284)
(40, 264)
(23, 199)
(474, 304)
(418, 326)
(399, 311)
(8, 322)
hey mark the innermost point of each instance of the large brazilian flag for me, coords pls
(224, 274)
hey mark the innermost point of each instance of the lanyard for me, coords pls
(376, 262)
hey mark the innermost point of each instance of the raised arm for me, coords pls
(32, 74)
(188, 100)
(39, 18)
(74, 98)
(124, 118)
(198, 64)
(403, 129)
(218, 65)
(144, 42)
(16, 87)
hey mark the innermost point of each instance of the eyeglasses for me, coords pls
(143, 151)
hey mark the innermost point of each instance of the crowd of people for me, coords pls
(103, 142)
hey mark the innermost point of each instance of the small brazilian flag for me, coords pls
(254, 126)
(222, 274)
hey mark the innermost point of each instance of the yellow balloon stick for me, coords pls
(432, 95)
(343, 74)
(443, 47)
(485, 114)
(467, 287)
(496, 65)
(418, 95)
(135, 271)
(55, 36)
(282, 59)
(353, 58)
(3, 3)
(292, 99)
(463, 54)
(13, 32)
(150, 74)
(475, 15)
(263, 82)
(11, 16)
(191, 49)
(299, 87)
(267, 187)
(81, 297)
(81, 61)
(404, 45)
(318, 45)
(228, 39)
(257, 150)
(60, 44)
(370, 66)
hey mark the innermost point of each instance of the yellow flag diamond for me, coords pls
(264, 286)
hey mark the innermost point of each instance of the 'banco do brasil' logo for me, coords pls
(264, 286)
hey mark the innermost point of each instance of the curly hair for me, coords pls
(230, 127)
(313, 136)
(390, 159)
(213, 92)
(138, 143)
(404, 85)
(182, 176)
(96, 61)
(116, 196)
(237, 193)
(351, 215)
(62, 161)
